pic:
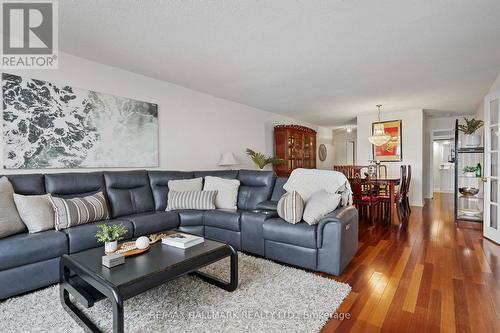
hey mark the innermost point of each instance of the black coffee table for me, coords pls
(88, 281)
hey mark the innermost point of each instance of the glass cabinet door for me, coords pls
(491, 142)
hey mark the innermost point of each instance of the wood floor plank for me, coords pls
(379, 314)
(411, 297)
(483, 263)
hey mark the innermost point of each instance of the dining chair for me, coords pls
(382, 171)
(364, 197)
(398, 197)
(406, 193)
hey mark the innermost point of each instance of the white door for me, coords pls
(491, 227)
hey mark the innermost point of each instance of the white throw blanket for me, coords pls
(308, 181)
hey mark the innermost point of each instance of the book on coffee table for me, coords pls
(182, 240)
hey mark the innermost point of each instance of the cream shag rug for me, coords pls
(270, 298)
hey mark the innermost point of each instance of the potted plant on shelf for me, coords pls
(110, 235)
(262, 160)
(469, 171)
(471, 139)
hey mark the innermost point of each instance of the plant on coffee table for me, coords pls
(110, 235)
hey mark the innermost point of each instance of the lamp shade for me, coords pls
(227, 159)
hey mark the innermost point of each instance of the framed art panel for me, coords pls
(47, 125)
(392, 151)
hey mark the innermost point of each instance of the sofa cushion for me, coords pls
(74, 184)
(25, 248)
(10, 221)
(267, 205)
(190, 217)
(252, 237)
(31, 184)
(159, 185)
(278, 190)
(226, 174)
(225, 236)
(82, 237)
(150, 223)
(300, 234)
(223, 219)
(256, 186)
(18, 280)
(129, 192)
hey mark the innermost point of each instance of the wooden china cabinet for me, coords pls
(297, 146)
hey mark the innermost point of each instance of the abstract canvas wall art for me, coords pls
(46, 125)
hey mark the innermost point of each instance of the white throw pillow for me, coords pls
(10, 221)
(227, 191)
(320, 204)
(291, 207)
(36, 211)
(186, 185)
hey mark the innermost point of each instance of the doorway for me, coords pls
(443, 168)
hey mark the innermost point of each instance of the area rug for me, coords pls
(270, 298)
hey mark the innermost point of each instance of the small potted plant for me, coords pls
(471, 139)
(469, 171)
(262, 160)
(110, 235)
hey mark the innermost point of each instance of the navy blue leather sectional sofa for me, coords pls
(137, 199)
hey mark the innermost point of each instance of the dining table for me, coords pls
(391, 184)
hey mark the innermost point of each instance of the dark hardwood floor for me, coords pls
(427, 277)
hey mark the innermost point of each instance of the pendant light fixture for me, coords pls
(379, 137)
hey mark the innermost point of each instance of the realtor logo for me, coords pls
(29, 35)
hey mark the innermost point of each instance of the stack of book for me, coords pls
(181, 240)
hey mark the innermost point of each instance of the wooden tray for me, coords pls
(132, 252)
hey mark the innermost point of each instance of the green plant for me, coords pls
(469, 169)
(110, 233)
(262, 160)
(471, 125)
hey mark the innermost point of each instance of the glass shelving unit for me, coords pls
(467, 208)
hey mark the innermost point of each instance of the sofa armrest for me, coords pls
(345, 217)
(267, 205)
(337, 240)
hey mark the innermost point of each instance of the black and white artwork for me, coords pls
(46, 125)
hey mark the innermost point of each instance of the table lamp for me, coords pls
(227, 160)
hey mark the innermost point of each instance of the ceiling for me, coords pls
(322, 61)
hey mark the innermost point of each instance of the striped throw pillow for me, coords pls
(200, 200)
(76, 211)
(291, 207)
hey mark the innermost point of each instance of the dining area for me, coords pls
(380, 197)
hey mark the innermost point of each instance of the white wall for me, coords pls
(325, 136)
(195, 128)
(412, 149)
(494, 87)
(340, 139)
